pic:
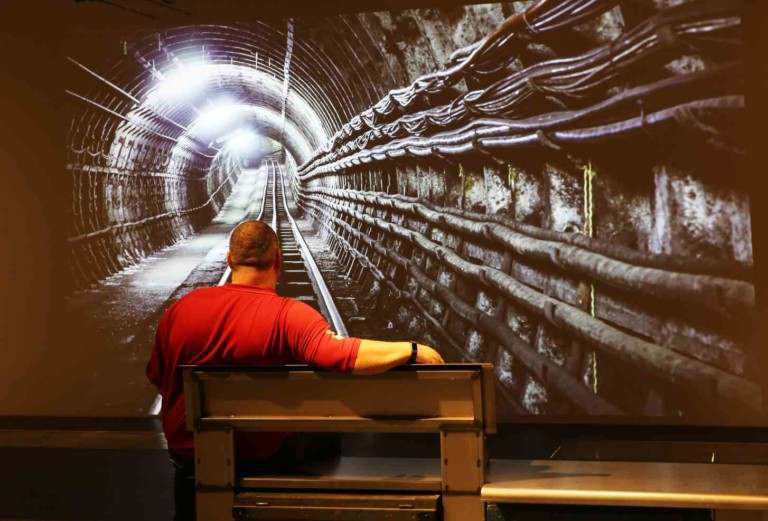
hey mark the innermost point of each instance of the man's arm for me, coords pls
(375, 357)
(311, 341)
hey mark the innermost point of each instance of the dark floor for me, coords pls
(86, 484)
(117, 469)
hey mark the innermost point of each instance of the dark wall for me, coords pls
(31, 200)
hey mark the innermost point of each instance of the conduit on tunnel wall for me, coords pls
(594, 231)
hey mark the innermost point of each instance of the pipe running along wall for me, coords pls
(552, 218)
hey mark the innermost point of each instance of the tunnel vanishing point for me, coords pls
(552, 186)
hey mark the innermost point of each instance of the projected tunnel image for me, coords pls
(550, 186)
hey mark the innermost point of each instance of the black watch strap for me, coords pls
(414, 353)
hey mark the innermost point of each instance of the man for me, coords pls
(245, 322)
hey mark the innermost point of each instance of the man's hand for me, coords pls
(427, 355)
(375, 356)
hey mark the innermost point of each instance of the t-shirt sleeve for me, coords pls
(311, 340)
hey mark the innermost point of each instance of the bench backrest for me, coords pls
(304, 399)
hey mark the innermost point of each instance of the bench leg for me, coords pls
(214, 505)
(214, 475)
(463, 475)
(461, 508)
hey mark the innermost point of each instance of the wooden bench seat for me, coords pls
(392, 474)
(742, 453)
(636, 484)
(337, 506)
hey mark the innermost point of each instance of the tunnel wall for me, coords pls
(601, 274)
(135, 197)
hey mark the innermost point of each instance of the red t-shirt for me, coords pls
(236, 324)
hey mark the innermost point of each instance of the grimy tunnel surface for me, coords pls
(552, 186)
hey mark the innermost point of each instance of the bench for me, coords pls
(733, 492)
(455, 402)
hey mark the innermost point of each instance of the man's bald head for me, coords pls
(254, 244)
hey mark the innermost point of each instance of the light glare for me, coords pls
(215, 119)
(182, 83)
(241, 142)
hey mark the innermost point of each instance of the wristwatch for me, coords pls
(414, 353)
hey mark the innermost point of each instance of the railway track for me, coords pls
(300, 279)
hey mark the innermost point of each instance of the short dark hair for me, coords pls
(254, 244)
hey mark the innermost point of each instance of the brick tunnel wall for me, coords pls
(612, 278)
(132, 197)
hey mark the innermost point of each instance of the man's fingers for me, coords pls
(429, 355)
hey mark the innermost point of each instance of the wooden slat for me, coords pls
(489, 399)
(310, 500)
(336, 424)
(684, 485)
(306, 396)
(357, 506)
(191, 396)
(202, 373)
(661, 451)
(407, 474)
(302, 399)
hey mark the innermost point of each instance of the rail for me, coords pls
(273, 168)
(228, 271)
(312, 268)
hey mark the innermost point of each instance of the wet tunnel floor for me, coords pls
(115, 321)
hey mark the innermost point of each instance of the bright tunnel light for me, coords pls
(191, 84)
(216, 119)
(241, 142)
(183, 82)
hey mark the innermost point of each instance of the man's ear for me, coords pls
(278, 261)
(229, 260)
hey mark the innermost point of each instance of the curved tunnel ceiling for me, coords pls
(336, 67)
(242, 65)
(156, 112)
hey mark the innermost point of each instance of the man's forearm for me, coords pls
(375, 357)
